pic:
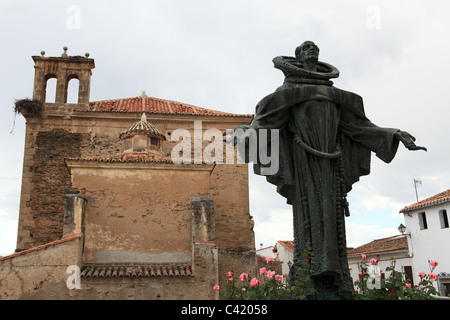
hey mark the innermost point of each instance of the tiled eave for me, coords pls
(380, 246)
(136, 271)
(140, 164)
(41, 247)
(156, 106)
(378, 252)
(424, 205)
(289, 245)
(170, 113)
(440, 198)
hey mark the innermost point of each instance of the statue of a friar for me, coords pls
(325, 145)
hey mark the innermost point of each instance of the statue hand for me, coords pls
(232, 138)
(408, 141)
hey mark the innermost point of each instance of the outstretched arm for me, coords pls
(230, 137)
(408, 141)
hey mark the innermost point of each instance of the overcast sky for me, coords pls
(218, 55)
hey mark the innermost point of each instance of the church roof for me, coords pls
(155, 105)
(428, 202)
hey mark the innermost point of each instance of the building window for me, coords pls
(73, 88)
(423, 221)
(443, 218)
(50, 89)
(409, 274)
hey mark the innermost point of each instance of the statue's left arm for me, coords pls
(383, 141)
(408, 140)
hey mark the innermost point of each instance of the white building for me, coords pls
(386, 251)
(425, 237)
(266, 251)
(284, 251)
(428, 234)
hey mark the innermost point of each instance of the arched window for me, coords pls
(50, 89)
(73, 88)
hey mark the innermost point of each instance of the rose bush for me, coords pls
(268, 285)
(396, 286)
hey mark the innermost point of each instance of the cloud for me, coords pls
(359, 234)
(279, 226)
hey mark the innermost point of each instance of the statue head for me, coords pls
(307, 52)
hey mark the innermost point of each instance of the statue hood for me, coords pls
(294, 72)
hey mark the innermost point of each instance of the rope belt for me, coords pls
(318, 153)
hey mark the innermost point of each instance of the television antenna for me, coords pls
(416, 182)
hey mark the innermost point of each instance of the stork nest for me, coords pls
(28, 106)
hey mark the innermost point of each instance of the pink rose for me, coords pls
(216, 287)
(269, 259)
(230, 274)
(254, 282)
(278, 277)
(433, 263)
(373, 261)
(243, 289)
(432, 276)
(270, 274)
(363, 256)
(422, 274)
(408, 285)
(262, 270)
(243, 276)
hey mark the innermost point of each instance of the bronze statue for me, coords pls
(325, 145)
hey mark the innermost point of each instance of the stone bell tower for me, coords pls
(52, 134)
(63, 69)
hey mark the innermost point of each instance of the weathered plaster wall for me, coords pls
(43, 274)
(138, 212)
(40, 274)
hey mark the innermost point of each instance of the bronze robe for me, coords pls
(325, 145)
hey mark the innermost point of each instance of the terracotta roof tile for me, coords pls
(155, 105)
(289, 245)
(380, 245)
(129, 157)
(136, 270)
(431, 201)
(145, 157)
(50, 244)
